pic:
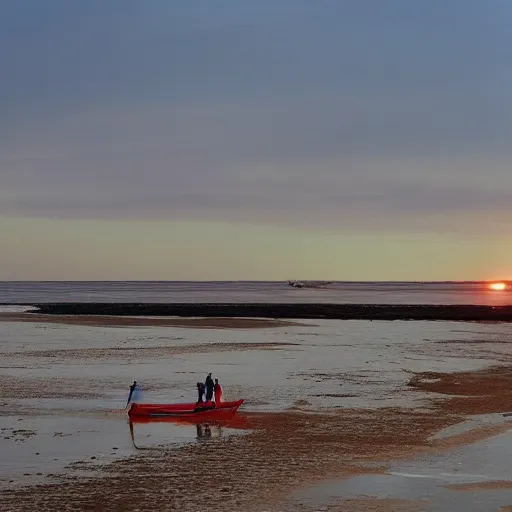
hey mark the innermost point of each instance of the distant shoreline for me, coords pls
(418, 312)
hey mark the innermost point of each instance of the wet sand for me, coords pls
(481, 486)
(256, 471)
(105, 354)
(449, 312)
(281, 452)
(23, 388)
(485, 391)
(123, 321)
(365, 505)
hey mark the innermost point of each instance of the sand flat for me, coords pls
(126, 321)
(280, 452)
(284, 451)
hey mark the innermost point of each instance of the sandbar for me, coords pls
(103, 354)
(126, 321)
(447, 312)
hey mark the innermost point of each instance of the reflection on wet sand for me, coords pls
(204, 429)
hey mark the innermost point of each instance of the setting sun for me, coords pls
(497, 286)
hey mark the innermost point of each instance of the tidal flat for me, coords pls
(325, 405)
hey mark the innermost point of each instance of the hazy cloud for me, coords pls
(339, 114)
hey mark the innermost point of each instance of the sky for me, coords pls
(278, 139)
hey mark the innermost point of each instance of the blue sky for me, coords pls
(342, 119)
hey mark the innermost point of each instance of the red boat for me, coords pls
(207, 410)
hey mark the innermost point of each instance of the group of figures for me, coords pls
(209, 391)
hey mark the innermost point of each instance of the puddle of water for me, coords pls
(33, 447)
(166, 434)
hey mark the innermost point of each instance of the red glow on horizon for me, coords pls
(498, 287)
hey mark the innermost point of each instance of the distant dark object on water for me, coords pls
(309, 284)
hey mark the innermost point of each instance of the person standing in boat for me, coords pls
(217, 391)
(200, 393)
(133, 394)
(209, 385)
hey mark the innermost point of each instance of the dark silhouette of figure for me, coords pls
(200, 393)
(209, 387)
(132, 389)
(217, 389)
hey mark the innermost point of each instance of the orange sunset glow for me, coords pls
(498, 287)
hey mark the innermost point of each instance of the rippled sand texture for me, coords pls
(333, 401)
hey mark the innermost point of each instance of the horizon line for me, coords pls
(250, 281)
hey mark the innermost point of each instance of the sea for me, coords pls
(475, 292)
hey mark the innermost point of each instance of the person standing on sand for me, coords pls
(218, 391)
(209, 387)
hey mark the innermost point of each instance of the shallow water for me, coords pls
(366, 360)
(74, 379)
(425, 478)
(35, 447)
(48, 444)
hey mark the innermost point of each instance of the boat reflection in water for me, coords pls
(205, 430)
(171, 429)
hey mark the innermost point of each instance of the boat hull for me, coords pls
(189, 410)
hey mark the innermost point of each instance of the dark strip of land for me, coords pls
(456, 312)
